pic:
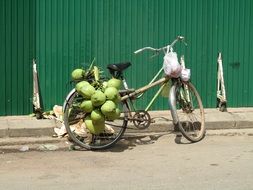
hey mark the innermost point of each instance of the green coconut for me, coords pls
(111, 93)
(117, 99)
(80, 85)
(77, 74)
(114, 115)
(116, 83)
(87, 91)
(108, 108)
(118, 112)
(98, 98)
(104, 84)
(87, 106)
(97, 116)
(94, 127)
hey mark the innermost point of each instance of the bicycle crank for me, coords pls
(141, 119)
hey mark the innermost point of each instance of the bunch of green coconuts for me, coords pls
(100, 98)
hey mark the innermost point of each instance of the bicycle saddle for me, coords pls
(118, 66)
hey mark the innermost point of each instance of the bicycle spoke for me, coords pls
(190, 114)
(73, 120)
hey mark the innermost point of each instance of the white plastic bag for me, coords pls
(171, 65)
(185, 74)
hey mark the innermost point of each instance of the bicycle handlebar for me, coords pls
(145, 48)
(170, 46)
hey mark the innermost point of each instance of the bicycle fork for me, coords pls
(172, 104)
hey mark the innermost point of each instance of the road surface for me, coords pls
(217, 162)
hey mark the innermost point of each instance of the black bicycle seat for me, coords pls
(118, 66)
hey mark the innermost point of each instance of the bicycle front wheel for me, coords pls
(187, 111)
(80, 135)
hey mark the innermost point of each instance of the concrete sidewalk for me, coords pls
(26, 126)
(19, 131)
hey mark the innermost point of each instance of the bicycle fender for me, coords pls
(172, 104)
(67, 98)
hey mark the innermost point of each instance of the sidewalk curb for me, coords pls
(28, 144)
(48, 130)
(26, 126)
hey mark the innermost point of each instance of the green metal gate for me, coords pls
(17, 38)
(70, 33)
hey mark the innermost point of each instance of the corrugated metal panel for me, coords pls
(70, 33)
(74, 32)
(16, 49)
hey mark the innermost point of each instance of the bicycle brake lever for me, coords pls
(182, 38)
(154, 55)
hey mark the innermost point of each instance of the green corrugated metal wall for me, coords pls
(16, 53)
(71, 33)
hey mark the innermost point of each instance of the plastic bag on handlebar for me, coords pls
(171, 65)
(185, 74)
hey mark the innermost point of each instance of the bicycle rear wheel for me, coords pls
(187, 111)
(73, 121)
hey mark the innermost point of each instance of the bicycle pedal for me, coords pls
(177, 132)
(176, 129)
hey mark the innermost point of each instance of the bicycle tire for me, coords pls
(188, 116)
(73, 114)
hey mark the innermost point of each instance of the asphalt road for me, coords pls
(217, 162)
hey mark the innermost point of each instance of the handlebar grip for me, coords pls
(180, 37)
(138, 51)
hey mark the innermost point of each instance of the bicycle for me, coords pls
(185, 105)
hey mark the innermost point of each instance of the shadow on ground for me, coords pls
(130, 142)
